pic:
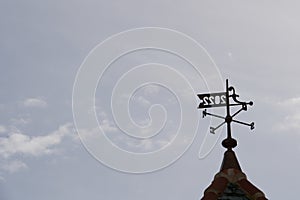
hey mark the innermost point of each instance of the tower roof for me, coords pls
(230, 183)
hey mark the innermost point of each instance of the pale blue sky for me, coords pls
(43, 43)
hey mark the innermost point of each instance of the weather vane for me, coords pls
(224, 99)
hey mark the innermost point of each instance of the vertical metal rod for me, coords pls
(228, 117)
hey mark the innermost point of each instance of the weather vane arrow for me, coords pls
(224, 99)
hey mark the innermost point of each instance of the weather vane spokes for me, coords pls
(222, 99)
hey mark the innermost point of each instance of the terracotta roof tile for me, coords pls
(231, 173)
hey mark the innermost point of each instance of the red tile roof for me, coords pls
(231, 172)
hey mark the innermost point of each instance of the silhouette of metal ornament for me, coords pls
(224, 99)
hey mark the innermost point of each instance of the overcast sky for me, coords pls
(42, 46)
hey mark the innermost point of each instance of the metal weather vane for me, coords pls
(224, 99)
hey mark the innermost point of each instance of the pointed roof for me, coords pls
(231, 183)
(230, 160)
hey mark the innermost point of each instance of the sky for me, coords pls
(45, 44)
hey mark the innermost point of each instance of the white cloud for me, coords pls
(291, 102)
(140, 100)
(20, 121)
(289, 123)
(19, 143)
(292, 116)
(105, 123)
(13, 166)
(146, 145)
(108, 126)
(35, 102)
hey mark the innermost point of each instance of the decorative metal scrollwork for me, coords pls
(209, 101)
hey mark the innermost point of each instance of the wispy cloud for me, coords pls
(108, 126)
(20, 121)
(35, 102)
(140, 100)
(291, 102)
(17, 143)
(105, 123)
(291, 120)
(13, 166)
